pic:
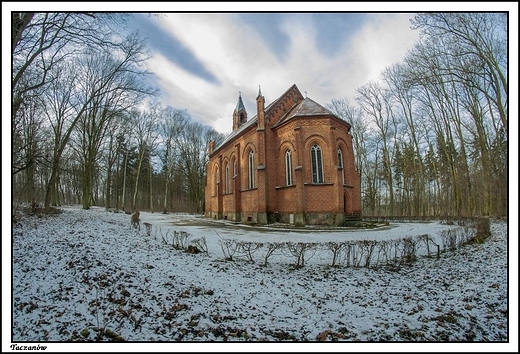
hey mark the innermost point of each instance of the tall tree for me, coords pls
(172, 124)
(40, 41)
(146, 136)
(122, 90)
(403, 94)
(478, 40)
(90, 81)
(375, 103)
(192, 145)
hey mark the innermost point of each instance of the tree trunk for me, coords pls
(138, 173)
(151, 190)
(87, 186)
(123, 205)
(51, 183)
(107, 188)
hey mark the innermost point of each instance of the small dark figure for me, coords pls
(136, 222)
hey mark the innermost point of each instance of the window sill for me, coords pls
(282, 187)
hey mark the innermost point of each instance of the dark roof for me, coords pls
(240, 104)
(307, 107)
(243, 127)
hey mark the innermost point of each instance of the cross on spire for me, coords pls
(305, 94)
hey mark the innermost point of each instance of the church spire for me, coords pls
(240, 113)
(240, 104)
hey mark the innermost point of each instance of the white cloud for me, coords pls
(380, 43)
(231, 51)
(240, 60)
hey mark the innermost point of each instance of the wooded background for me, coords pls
(430, 138)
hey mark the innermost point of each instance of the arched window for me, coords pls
(217, 180)
(317, 164)
(234, 168)
(288, 168)
(340, 165)
(251, 169)
(227, 178)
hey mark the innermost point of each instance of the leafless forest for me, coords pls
(430, 138)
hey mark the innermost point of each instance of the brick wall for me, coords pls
(326, 202)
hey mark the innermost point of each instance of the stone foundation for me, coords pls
(328, 219)
(302, 219)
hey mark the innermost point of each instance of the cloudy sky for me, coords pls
(202, 60)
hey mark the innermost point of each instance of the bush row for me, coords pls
(353, 253)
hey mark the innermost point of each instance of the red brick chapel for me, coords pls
(291, 163)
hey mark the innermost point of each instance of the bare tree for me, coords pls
(44, 47)
(440, 140)
(28, 150)
(460, 65)
(122, 90)
(111, 154)
(395, 78)
(145, 134)
(41, 41)
(172, 124)
(374, 101)
(192, 144)
(478, 39)
(85, 87)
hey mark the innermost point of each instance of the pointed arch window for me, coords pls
(288, 168)
(317, 164)
(340, 165)
(251, 169)
(217, 180)
(227, 178)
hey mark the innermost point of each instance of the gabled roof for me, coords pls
(307, 107)
(280, 98)
(233, 134)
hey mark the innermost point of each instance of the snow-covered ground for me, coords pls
(84, 270)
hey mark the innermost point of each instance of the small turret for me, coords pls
(240, 113)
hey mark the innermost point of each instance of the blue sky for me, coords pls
(202, 60)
